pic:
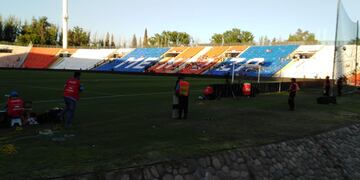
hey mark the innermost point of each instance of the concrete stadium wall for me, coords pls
(331, 155)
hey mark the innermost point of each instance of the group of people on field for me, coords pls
(294, 87)
(15, 106)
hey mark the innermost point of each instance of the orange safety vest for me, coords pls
(184, 88)
(247, 89)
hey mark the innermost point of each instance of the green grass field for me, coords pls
(124, 120)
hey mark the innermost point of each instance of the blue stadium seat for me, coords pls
(271, 59)
(137, 61)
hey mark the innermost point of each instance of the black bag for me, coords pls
(51, 116)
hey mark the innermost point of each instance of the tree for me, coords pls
(11, 29)
(264, 41)
(170, 38)
(112, 40)
(134, 42)
(355, 41)
(106, 40)
(78, 37)
(234, 35)
(302, 36)
(1, 28)
(140, 42)
(217, 38)
(145, 42)
(40, 31)
(273, 41)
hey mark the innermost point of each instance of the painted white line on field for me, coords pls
(104, 97)
(61, 89)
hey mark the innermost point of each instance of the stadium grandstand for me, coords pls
(138, 60)
(41, 58)
(173, 65)
(280, 61)
(306, 62)
(204, 62)
(13, 56)
(169, 55)
(84, 59)
(270, 59)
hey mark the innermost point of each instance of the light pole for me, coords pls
(65, 25)
(259, 72)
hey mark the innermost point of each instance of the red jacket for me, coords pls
(15, 107)
(208, 91)
(72, 88)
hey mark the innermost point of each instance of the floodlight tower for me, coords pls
(65, 25)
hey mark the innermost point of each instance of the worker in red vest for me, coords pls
(72, 91)
(209, 93)
(183, 90)
(294, 87)
(15, 108)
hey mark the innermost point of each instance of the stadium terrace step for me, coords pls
(41, 58)
(12, 56)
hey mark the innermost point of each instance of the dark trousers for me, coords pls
(69, 111)
(327, 91)
(339, 88)
(183, 106)
(291, 101)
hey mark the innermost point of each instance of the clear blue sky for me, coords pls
(200, 18)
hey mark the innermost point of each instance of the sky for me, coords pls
(200, 18)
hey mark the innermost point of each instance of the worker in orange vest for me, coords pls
(183, 90)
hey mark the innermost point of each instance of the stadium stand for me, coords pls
(345, 60)
(84, 59)
(119, 53)
(306, 62)
(41, 58)
(138, 60)
(351, 76)
(169, 55)
(235, 51)
(270, 58)
(175, 64)
(13, 56)
(212, 57)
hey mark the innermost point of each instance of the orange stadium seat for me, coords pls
(206, 61)
(169, 64)
(237, 48)
(351, 80)
(173, 64)
(171, 54)
(41, 58)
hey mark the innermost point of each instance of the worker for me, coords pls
(327, 86)
(294, 87)
(15, 109)
(72, 91)
(175, 107)
(340, 84)
(182, 90)
(209, 93)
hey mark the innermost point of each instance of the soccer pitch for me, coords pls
(125, 120)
